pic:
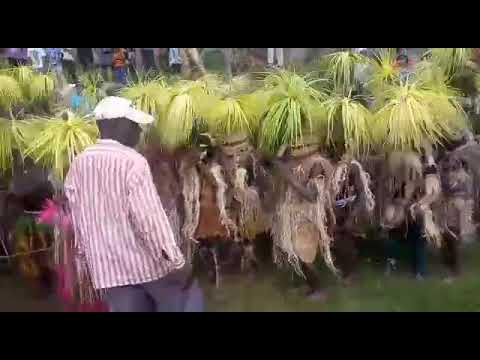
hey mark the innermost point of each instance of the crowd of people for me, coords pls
(308, 204)
(65, 62)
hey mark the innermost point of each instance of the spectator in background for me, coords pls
(37, 56)
(175, 60)
(55, 57)
(119, 65)
(275, 54)
(68, 63)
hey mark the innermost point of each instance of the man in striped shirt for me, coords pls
(121, 229)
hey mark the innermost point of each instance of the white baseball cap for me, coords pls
(114, 107)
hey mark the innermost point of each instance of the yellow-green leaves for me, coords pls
(59, 141)
(22, 85)
(92, 83)
(149, 96)
(291, 106)
(341, 70)
(451, 60)
(10, 92)
(233, 114)
(384, 71)
(412, 114)
(41, 86)
(7, 142)
(355, 121)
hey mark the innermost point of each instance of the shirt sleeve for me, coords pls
(148, 216)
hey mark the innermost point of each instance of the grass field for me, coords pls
(372, 291)
(272, 291)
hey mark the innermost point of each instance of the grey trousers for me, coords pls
(167, 294)
(273, 53)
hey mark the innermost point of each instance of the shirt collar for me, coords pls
(108, 141)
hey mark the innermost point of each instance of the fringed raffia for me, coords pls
(191, 198)
(252, 218)
(363, 187)
(432, 193)
(225, 220)
(66, 257)
(292, 213)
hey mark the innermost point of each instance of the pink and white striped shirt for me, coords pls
(121, 229)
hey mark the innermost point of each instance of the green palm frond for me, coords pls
(150, 96)
(451, 60)
(341, 69)
(354, 122)
(10, 92)
(59, 141)
(413, 114)
(292, 109)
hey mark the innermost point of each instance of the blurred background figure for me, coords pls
(175, 60)
(275, 54)
(119, 65)
(37, 57)
(69, 66)
(55, 57)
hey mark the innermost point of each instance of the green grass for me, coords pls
(372, 291)
(274, 290)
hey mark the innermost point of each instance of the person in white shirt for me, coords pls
(275, 54)
(36, 56)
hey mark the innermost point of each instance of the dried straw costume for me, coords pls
(74, 284)
(304, 213)
(354, 208)
(411, 192)
(229, 204)
(460, 194)
(244, 204)
(171, 178)
(461, 173)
